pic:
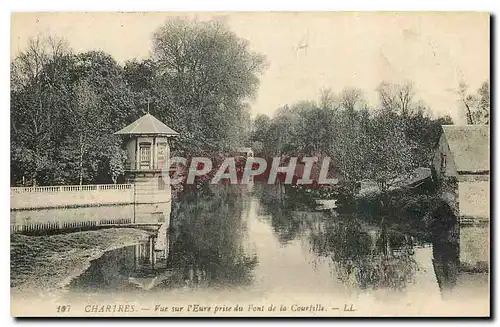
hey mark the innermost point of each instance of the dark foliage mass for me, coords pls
(66, 106)
(199, 80)
(380, 143)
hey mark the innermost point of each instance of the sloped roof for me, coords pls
(470, 146)
(147, 124)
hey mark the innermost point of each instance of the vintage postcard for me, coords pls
(250, 164)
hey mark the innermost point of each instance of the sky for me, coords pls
(436, 51)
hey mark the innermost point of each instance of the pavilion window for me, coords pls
(145, 155)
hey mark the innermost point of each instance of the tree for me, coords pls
(352, 99)
(64, 110)
(327, 99)
(103, 104)
(39, 98)
(65, 106)
(85, 117)
(477, 106)
(205, 73)
(90, 151)
(423, 133)
(30, 64)
(387, 151)
(141, 79)
(348, 146)
(396, 97)
(260, 127)
(312, 131)
(482, 114)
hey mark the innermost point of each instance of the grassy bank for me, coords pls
(49, 262)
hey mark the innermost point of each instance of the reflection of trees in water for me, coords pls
(444, 231)
(286, 219)
(364, 257)
(284, 223)
(446, 264)
(446, 247)
(207, 246)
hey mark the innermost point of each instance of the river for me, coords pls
(246, 245)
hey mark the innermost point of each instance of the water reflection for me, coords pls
(446, 264)
(287, 217)
(211, 230)
(208, 230)
(364, 256)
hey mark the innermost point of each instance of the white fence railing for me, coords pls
(70, 188)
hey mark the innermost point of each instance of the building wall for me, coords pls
(474, 199)
(474, 213)
(450, 168)
(469, 198)
(474, 247)
(153, 212)
(150, 187)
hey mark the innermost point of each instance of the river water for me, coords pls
(251, 246)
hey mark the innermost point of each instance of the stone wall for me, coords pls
(474, 199)
(474, 247)
(469, 198)
(23, 198)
